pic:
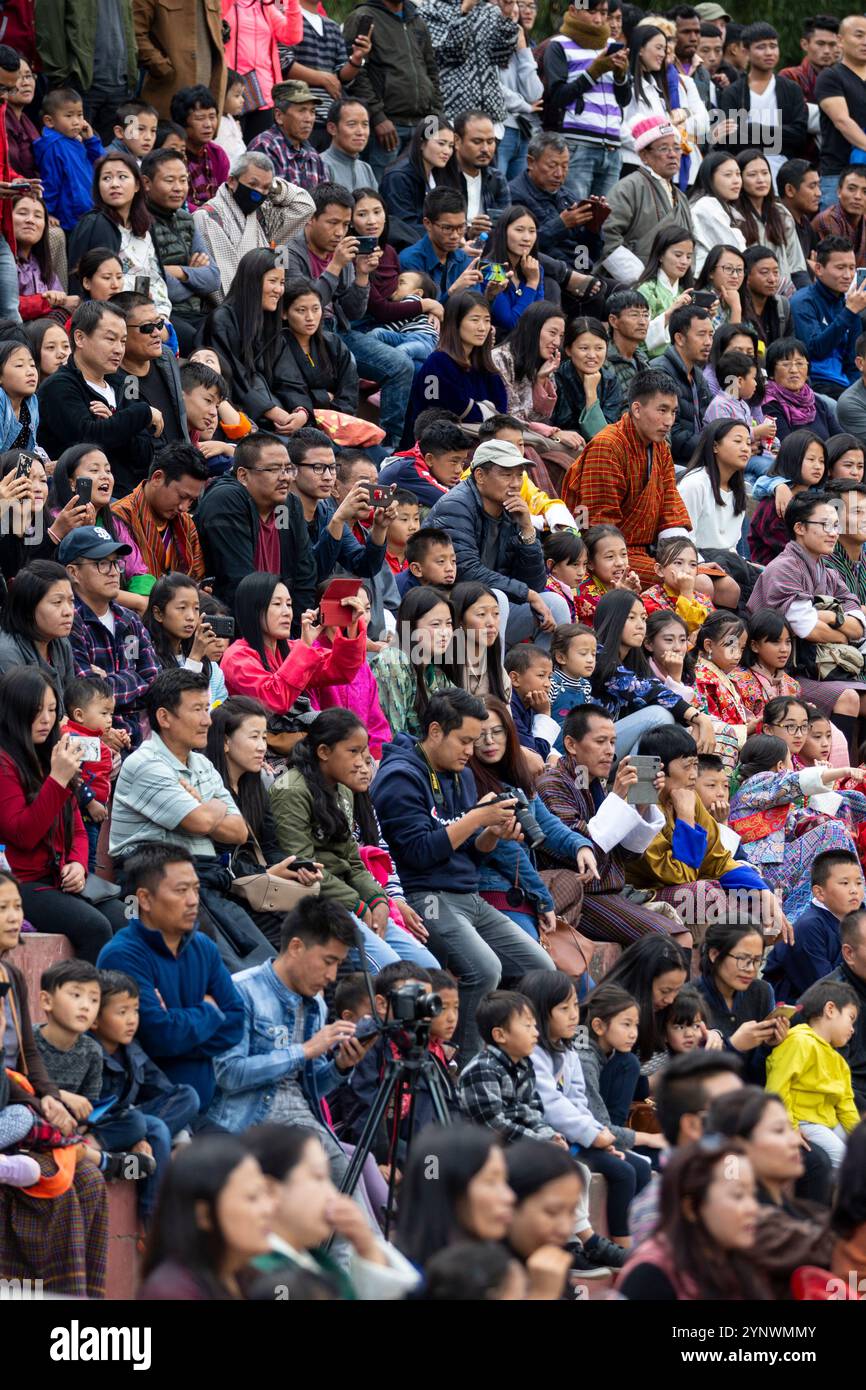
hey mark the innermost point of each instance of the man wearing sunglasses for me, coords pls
(152, 373)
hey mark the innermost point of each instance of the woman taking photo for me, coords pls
(527, 362)
(40, 290)
(84, 461)
(213, 1218)
(737, 1002)
(704, 1243)
(471, 1201)
(246, 330)
(263, 662)
(119, 219)
(25, 533)
(768, 311)
(315, 804)
(37, 620)
(767, 222)
(428, 162)
(788, 397)
(665, 283)
(182, 634)
(513, 247)
(461, 375)
(801, 463)
(423, 662)
(723, 274)
(510, 870)
(370, 218)
(49, 344)
(713, 485)
(715, 215)
(588, 393)
(315, 370)
(40, 823)
(60, 1240)
(623, 684)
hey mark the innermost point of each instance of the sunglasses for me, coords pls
(155, 327)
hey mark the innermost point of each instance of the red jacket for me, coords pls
(18, 29)
(305, 668)
(31, 830)
(7, 173)
(96, 776)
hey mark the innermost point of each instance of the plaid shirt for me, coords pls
(299, 164)
(499, 1093)
(125, 655)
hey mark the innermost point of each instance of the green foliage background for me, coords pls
(786, 15)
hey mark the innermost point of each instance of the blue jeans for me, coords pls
(523, 623)
(397, 945)
(394, 373)
(378, 158)
(630, 730)
(829, 190)
(8, 283)
(511, 153)
(418, 345)
(157, 1121)
(591, 169)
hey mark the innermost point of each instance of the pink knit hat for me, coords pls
(650, 128)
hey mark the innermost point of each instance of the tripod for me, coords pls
(402, 1077)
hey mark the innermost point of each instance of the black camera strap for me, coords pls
(435, 783)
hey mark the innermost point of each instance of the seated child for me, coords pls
(149, 1111)
(405, 525)
(90, 705)
(65, 154)
(719, 644)
(16, 1122)
(417, 332)
(565, 561)
(430, 559)
(810, 1076)
(607, 568)
(743, 383)
(713, 788)
(135, 125)
(837, 889)
(676, 565)
(611, 1074)
(232, 424)
(530, 670)
(70, 996)
(351, 1000)
(573, 651)
(497, 1087)
(684, 1024)
(435, 463)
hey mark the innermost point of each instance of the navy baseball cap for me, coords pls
(89, 543)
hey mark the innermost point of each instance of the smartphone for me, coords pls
(367, 1027)
(24, 465)
(141, 284)
(365, 26)
(220, 624)
(783, 1011)
(860, 276)
(380, 496)
(704, 299)
(614, 48)
(90, 746)
(367, 245)
(332, 610)
(22, 185)
(101, 1110)
(643, 791)
(84, 489)
(304, 864)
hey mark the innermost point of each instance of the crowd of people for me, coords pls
(432, 525)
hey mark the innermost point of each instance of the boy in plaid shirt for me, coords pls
(497, 1088)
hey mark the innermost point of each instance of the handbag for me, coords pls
(348, 430)
(642, 1117)
(98, 890)
(563, 945)
(267, 892)
(253, 96)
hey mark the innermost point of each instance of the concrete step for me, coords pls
(35, 952)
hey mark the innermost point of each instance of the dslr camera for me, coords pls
(532, 831)
(412, 1004)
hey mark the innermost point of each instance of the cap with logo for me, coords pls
(89, 543)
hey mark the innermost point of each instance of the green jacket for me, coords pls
(345, 880)
(65, 35)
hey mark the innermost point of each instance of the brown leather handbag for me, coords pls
(564, 947)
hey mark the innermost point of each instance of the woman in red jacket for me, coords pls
(263, 662)
(40, 823)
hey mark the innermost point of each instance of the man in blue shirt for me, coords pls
(440, 252)
(827, 318)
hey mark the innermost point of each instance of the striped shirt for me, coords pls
(600, 119)
(150, 803)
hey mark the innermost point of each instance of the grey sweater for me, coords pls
(18, 651)
(78, 1070)
(592, 1059)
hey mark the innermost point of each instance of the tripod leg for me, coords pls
(437, 1094)
(364, 1146)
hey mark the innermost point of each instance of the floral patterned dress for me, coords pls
(693, 611)
(587, 596)
(726, 708)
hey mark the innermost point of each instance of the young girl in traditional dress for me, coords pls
(607, 568)
(719, 647)
(677, 568)
(565, 561)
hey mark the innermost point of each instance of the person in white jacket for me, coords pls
(715, 218)
(523, 90)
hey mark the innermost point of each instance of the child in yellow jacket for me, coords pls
(809, 1075)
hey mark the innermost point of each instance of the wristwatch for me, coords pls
(353, 64)
(528, 540)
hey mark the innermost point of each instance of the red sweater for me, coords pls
(30, 829)
(305, 668)
(96, 776)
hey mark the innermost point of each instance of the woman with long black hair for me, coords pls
(119, 220)
(461, 375)
(528, 361)
(588, 393)
(37, 620)
(477, 618)
(766, 220)
(246, 330)
(265, 663)
(315, 370)
(40, 823)
(470, 1199)
(624, 685)
(713, 486)
(429, 162)
(181, 634)
(423, 661)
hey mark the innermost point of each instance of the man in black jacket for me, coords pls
(485, 188)
(248, 521)
(764, 112)
(852, 931)
(691, 330)
(87, 401)
(152, 373)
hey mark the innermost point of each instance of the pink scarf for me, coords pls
(798, 407)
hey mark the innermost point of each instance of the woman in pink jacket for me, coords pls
(257, 27)
(361, 695)
(265, 664)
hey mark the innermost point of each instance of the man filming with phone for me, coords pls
(329, 523)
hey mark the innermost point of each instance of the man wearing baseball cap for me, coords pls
(647, 201)
(287, 143)
(107, 638)
(711, 13)
(496, 542)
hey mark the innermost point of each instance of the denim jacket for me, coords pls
(130, 1075)
(248, 1074)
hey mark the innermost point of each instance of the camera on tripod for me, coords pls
(412, 1004)
(532, 831)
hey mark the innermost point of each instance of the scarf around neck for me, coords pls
(798, 407)
(581, 31)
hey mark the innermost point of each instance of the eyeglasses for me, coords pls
(320, 469)
(832, 528)
(155, 327)
(107, 567)
(795, 728)
(450, 231)
(748, 962)
(277, 470)
(731, 269)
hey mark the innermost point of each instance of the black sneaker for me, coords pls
(601, 1251)
(128, 1167)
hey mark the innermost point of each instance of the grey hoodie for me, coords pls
(591, 1061)
(19, 651)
